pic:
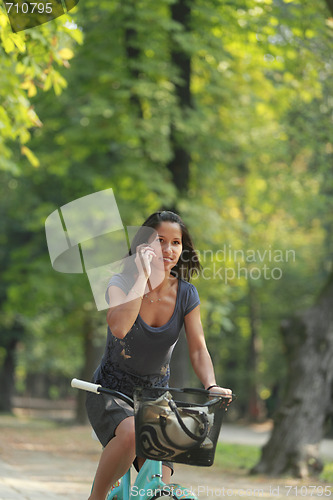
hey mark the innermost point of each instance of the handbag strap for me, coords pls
(187, 431)
(177, 446)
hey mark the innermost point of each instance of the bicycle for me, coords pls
(155, 444)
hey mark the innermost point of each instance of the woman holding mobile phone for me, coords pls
(149, 301)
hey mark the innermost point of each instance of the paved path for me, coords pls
(44, 463)
(258, 435)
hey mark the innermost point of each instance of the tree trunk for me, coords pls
(179, 165)
(133, 55)
(88, 368)
(329, 4)
(7, 378)
(8, 343)
(255, 406)
(299, 423)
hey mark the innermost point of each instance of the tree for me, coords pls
(299, 423)
(28, 61)
(238, 122)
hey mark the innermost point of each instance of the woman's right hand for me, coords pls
(143, 258)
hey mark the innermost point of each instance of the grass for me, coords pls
(327, 474)
(46, 434)
(234, 458)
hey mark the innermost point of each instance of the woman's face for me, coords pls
(167, 244)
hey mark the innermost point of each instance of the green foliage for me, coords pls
(29, 61)
(257, 177)
(259, 133)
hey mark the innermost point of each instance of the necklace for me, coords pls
(157, 300)
(150, 300)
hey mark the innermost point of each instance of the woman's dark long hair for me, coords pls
(188, 263)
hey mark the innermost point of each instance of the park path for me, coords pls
(258, 435)
(41, 461)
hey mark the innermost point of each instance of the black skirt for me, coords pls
(105, 414)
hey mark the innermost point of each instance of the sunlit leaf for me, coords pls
(30, 155)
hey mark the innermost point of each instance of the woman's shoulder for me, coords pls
(186, 285)
(189, 296)
(121, 280)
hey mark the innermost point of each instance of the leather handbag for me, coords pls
(166, 430)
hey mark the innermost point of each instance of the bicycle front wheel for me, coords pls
(165, 496)
(175, 492)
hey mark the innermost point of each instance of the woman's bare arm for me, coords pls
(124, 309)
(199, 355)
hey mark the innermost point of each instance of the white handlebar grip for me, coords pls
(85, 386)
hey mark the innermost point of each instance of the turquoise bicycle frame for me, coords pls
(148, 483)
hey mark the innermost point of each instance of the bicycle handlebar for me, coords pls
(85, 386)
(97, 388)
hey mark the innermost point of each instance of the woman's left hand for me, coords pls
(217, 390)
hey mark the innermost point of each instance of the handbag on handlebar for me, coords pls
(176, 431)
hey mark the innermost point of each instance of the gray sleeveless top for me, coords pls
(142, 357)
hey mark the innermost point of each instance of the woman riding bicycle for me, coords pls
(149, 301)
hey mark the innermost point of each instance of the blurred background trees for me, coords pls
(222, 111)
